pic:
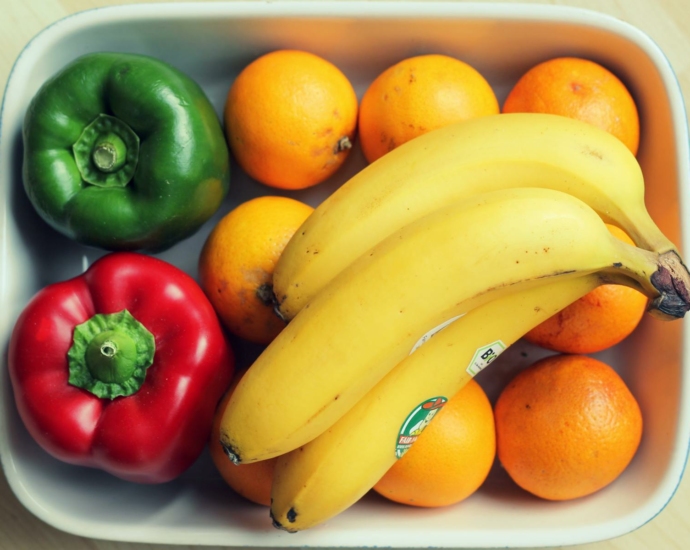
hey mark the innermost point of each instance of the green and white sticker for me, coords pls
(484, 356)
(415, 423)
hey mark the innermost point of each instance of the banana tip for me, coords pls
(291, 517)
(279, 314)
(231, 453)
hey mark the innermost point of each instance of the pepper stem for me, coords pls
(109, 349)
(110, 354)
(109, 153)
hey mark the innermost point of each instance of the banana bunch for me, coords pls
(329, 474)
(456, 162)
(483, 229)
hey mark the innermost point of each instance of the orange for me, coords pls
(566, 427)
(417, 95)
(237, 261)
(600, 319)
(252, 480)
(290, 119)
(580, 89)
(452, 456)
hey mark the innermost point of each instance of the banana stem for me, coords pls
(664, 278)
(640, 226)
(672, 280)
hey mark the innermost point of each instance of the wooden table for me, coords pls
(666, 21)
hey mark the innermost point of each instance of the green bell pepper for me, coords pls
(124, 152)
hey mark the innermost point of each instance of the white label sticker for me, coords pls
(484, 356)
(433, 331)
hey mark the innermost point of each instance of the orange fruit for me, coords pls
(600, 319)
(417, 95)
(290, 119)
(252, 480)
(580, 89)
(237, 262)
(451, 458)
(566, 427)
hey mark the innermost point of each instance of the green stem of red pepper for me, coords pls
(110, 354)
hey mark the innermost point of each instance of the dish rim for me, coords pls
(377, 9)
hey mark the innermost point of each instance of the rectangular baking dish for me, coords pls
(212, 42)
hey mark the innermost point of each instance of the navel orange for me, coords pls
(599, 320)
(290, 119)
(417, 95)
(237, 261)
(581, 89)
(452, 456)
(566, 427)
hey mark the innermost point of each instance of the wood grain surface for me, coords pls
(667, 22)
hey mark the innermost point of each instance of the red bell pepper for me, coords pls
(121, 368)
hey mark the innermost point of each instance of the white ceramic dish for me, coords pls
(212, 42)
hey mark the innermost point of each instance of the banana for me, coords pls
(455, 162)
(327, 475)
(430, 271)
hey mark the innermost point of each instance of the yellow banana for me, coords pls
(327, 475)
(455, 162)
(432, 270)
